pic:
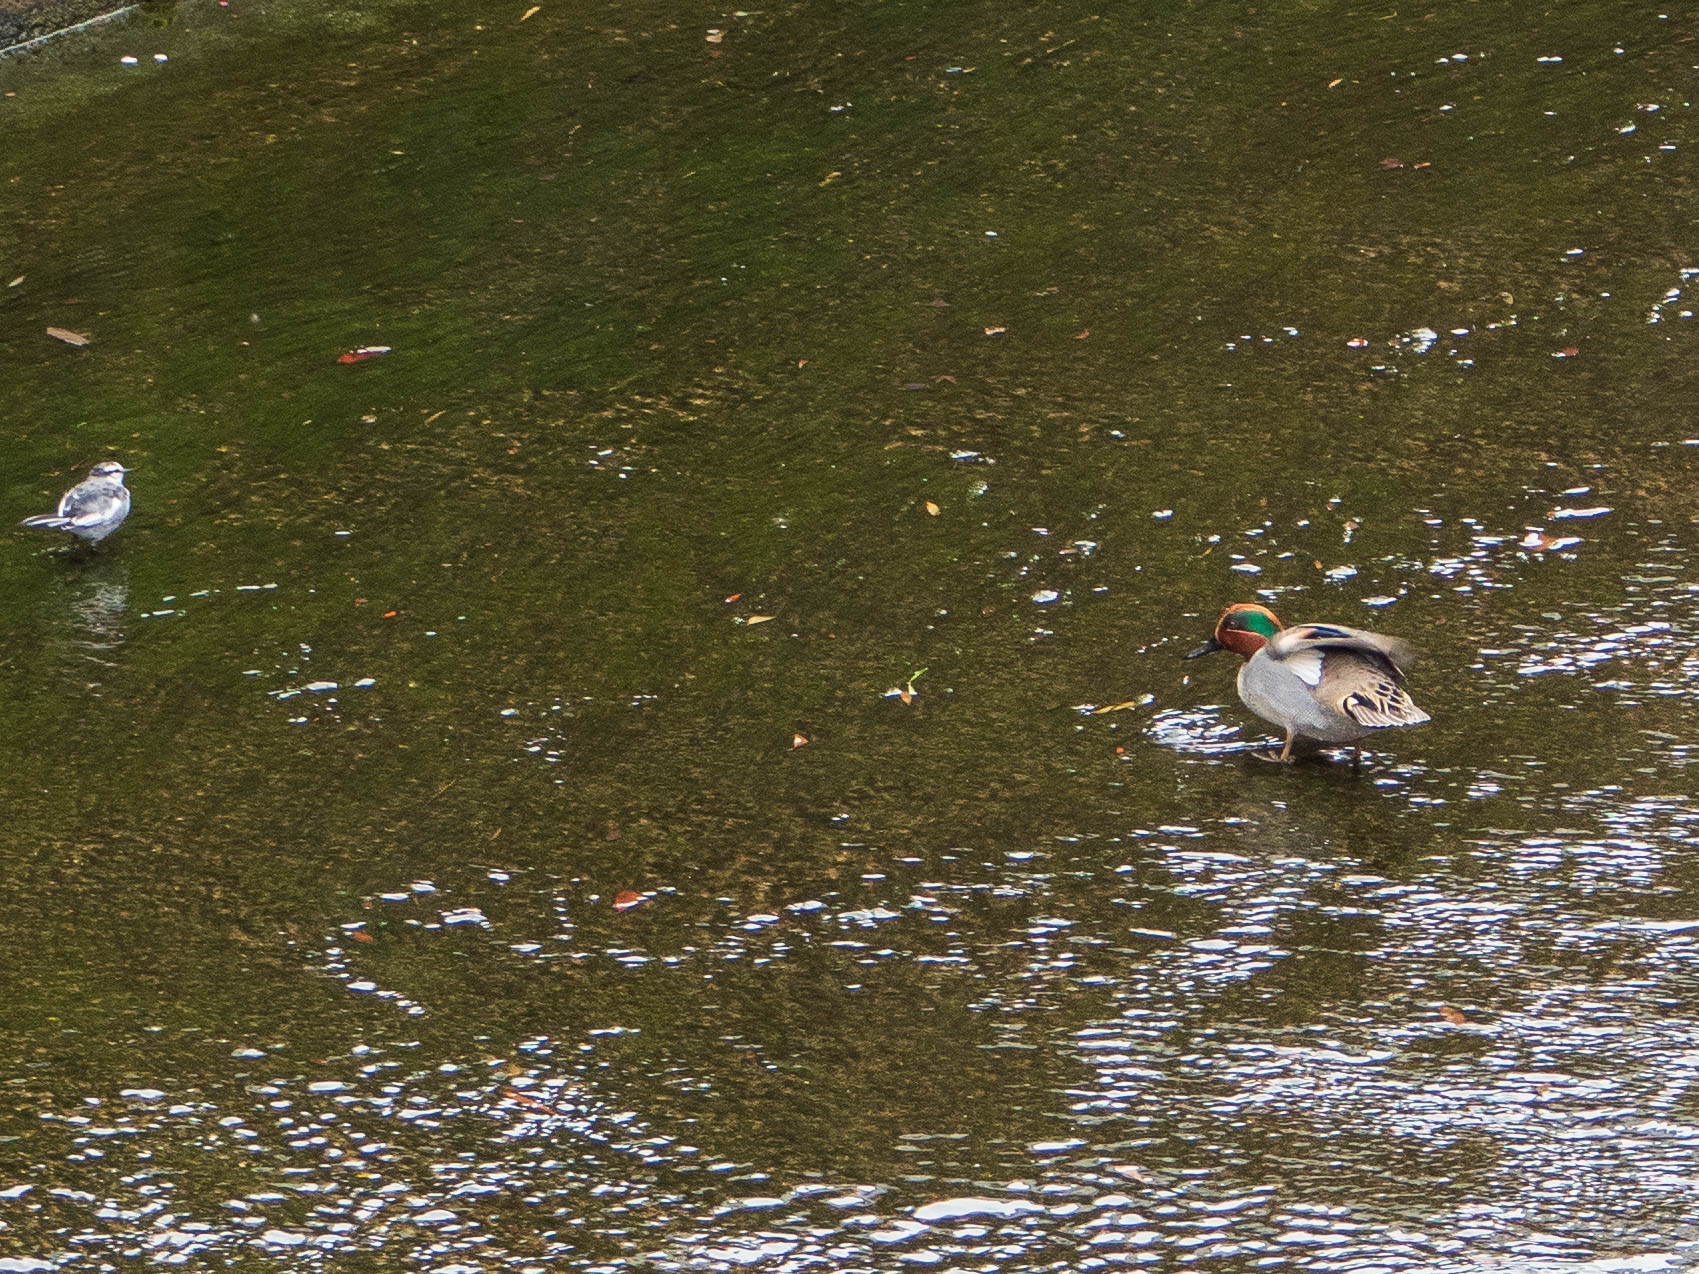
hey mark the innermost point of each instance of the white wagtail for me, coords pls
(94, 508)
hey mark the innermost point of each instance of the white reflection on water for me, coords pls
(92, 624)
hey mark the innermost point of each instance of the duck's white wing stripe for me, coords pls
(1305, 665)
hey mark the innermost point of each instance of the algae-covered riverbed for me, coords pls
(683, 761)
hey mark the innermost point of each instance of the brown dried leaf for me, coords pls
(68, 336)
(525, 1099)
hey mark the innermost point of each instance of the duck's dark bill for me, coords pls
(1208, 648)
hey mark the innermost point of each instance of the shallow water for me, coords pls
(809, 441)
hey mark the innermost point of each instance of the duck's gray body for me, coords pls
(94, 508)
(1326, 683)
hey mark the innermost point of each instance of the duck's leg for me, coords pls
(1356, 756)
(1282, 757)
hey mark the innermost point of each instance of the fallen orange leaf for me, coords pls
(626, 899)
(797, 740)
(932, 508)
(1454, 1016)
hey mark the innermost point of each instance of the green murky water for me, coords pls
(748, 368)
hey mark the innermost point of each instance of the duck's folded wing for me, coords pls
(1374, 702)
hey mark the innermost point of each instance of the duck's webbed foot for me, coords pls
(1282, 757)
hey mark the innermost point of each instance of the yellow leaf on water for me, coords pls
(1116, 707)
(530, 11)
(69, 337)
(758, 619)
(932, 508)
